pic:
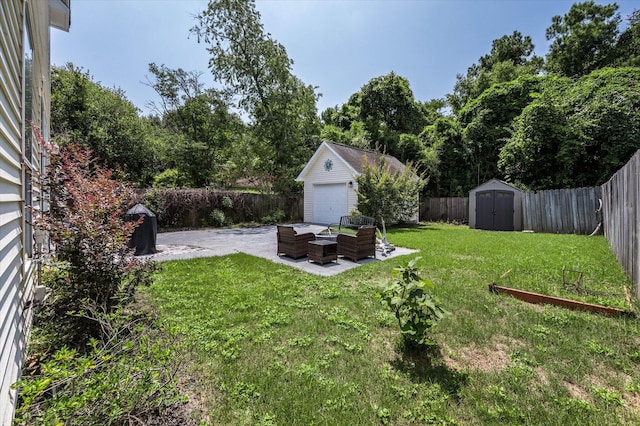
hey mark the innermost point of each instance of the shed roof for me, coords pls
(495, 181)
(357, 157)
(354, 158)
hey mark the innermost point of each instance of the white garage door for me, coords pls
(329, 203)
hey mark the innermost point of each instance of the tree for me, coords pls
(448, 160)
(510, 57)
(486, 123)
(174, 87)
(102, 120)
(386, 195)
(204, 129)
(576, 133)
(387, 103)
(627, 50)
(583, 40)
(256, 69)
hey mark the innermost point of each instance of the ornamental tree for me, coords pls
(388, 195)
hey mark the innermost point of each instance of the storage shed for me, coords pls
(330, 185)
(495, 205)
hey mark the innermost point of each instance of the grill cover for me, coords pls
(143, 238)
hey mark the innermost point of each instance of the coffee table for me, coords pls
(322, 251)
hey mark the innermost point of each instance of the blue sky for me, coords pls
(337, 45)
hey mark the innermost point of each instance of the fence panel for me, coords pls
(454, 209)
(621, 217)
(562, 211)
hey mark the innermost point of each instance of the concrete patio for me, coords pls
(260, 242)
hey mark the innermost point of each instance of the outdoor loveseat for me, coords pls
(292, 244)
(358, 246)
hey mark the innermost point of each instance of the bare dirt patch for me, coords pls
(474, 357)
(576, 391)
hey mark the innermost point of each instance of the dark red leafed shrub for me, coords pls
(92, 269)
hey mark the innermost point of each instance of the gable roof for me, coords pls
(354, 158)
(498, 181)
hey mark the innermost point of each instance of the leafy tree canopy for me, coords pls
(577, 133)
(255, 68)
(102, 120)
(204, 128)
(511, 56)
(583, 40)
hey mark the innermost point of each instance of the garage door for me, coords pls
(329, 203)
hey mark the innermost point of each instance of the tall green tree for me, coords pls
(204, 128)
(583, 40)
(627, 50)
(449, 159)
(387, 103)
(511, 56)
(255, 68)
(576, 133)
(100, 119)
(487, 120)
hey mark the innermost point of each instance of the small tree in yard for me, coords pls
(386, 195)
(92, 269)
(415, 310)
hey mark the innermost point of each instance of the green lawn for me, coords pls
(269, 344)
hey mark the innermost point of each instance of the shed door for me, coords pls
(329, 203)
(494, 210)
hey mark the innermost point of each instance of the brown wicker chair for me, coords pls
(359, 246)
(292, 244)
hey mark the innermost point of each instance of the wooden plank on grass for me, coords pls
(530, 297)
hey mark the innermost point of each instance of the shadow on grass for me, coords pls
(410, 228)
(425, 364)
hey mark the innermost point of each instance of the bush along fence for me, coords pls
(621, 217)
(562, 211)
(192, 208)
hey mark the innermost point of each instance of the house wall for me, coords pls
(491, 185)
(317, 174)
(20, 166)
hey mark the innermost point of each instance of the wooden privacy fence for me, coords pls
(562, 211)
(454, 209)
(621, 217)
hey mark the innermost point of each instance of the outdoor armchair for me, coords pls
(358, 246)
(292, 244)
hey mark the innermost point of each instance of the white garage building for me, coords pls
(330, 180)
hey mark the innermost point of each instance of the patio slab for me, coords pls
(260, 242)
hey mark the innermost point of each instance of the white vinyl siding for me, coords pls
(12, 344)
(317, 175)
(16, 161)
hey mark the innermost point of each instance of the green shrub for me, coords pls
(415, 310)
(276, 216)
(170, 178)
(126, 380)
(219, 219)
(96, 268)
(386, 195)
(227, 202)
